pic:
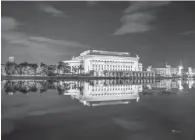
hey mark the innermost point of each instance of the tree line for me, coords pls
(33, 69)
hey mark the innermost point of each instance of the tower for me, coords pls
(180, 68)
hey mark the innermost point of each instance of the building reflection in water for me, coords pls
(170, 84)
(107, 92)
(95, 92)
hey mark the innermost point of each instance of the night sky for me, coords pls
(55, 31)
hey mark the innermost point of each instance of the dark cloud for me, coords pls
(137, 17)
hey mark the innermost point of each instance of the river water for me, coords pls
(98, 109)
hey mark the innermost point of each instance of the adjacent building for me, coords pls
(167, 71)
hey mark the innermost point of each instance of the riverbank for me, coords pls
(66, 77)
(76, 77)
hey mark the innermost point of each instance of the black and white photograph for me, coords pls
(97, 70)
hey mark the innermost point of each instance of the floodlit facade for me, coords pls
(99, 61)
(109, 63)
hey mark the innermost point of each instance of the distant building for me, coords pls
(11, 59)
(167, 70)
(149, 68)
(100, 61)
(3, 71)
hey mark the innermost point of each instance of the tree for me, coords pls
(80, 68)
(23, 67)
(51, 70)
(34, 67)
(60, 66)
(11, 68)
(19, 69)
(44, 69)
(66, 68)
(74, 69)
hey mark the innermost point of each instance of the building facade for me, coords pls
(190, 72)
(166, 71)
(102, 62)
(3, 71)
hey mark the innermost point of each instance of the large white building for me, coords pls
(100, 61)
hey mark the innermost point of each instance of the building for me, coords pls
(3, 71)
(193, 71)
(190, 72)
(140, 67)
(11, 59)
(167, 70)
(103, 63)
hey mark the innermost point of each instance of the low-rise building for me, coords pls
(3, 71)
(167, 70)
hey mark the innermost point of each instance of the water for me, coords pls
(98, 109)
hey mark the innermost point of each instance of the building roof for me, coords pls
(99, 52)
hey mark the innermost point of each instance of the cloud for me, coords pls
(51, 10)
(37, 46)
(8, 23)
(138, 16)
(188, 32)
(92, 3)
(58, 42)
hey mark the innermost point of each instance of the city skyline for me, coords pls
(49, 32)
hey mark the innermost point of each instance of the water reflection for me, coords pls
(90, 92)
(170, 84)
(98, 92)
(45, 107)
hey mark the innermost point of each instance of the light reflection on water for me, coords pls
(133, 105)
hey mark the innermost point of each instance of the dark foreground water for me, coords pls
(98, 110)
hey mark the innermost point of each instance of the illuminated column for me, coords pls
(180, 70)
